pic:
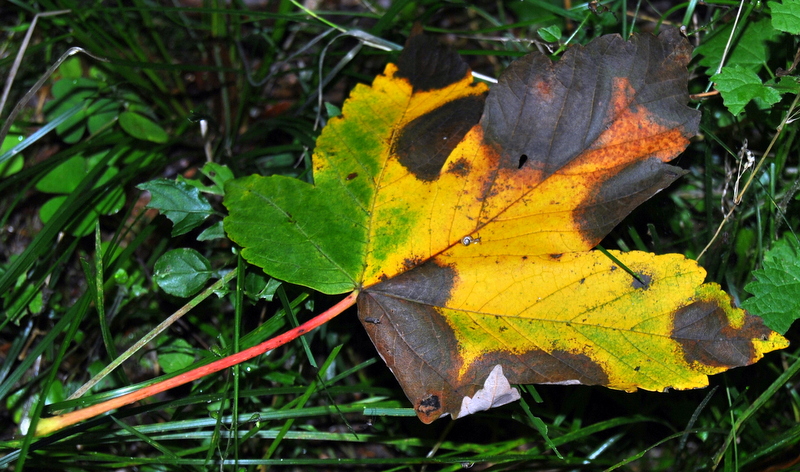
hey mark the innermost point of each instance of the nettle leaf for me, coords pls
(776, 291)
(465, 219)
(786, 16)
(179, 202)
(750, 50)
(739, 86)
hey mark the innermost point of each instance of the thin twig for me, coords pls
(730, 38)
(21, 53)
(55, 423)
(151, 335)
(698, 96)
(737, 199)
(786, 119)
(38, 85)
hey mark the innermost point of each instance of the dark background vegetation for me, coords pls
(253, 71)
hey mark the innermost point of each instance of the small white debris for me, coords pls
(496, 391)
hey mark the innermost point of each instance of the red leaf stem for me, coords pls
(55, 423)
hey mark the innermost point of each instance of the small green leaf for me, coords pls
(65, 177)
(141, 127)
(776, 291)
(332, 110)
(179, 202)
(78, 228)
(175, 355)
(786, 16)
(103, 112)
(16, 405)
(135, 104)
(73, 128)
(74, 90)
(215, 231)
(140, 157)
(182, 272)
(121, 277)
(113, 199)
(217, 173)
(27, 293)
(108, 382)
(551, 34)
(258, 287)
(283, 378)
(14, 164)
(69, 93)
(50, 208)
(739, 85)
(71, 68)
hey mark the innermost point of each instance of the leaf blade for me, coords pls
(470, 213)
(179, 202)
(182, 272)
(592, 323)
(786, 16)
(776, 290)
(308, 241)
(739, 86)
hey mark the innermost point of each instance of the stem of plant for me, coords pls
(55, 423)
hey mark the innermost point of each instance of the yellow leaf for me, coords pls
(466, 220)
(568, 319)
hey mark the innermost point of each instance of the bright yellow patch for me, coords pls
(582, 304)
(409, 214)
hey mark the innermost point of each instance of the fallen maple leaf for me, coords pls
(465, 221)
